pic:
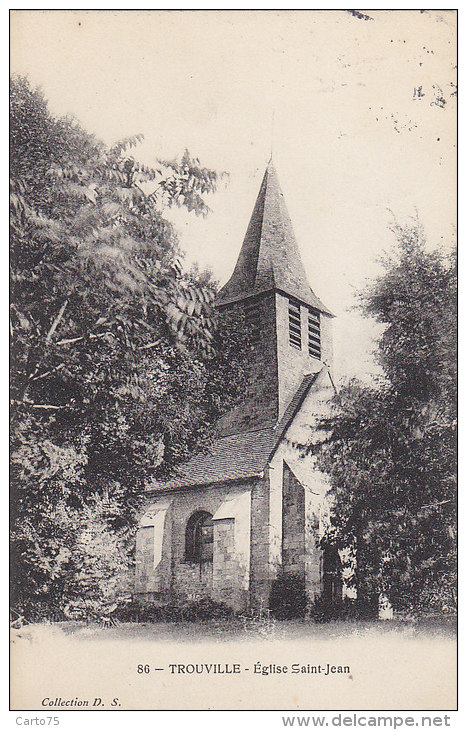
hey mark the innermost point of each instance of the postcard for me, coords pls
(233, 361)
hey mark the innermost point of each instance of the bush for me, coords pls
(288, 597)
(323, 609)
(35, 611)
(204, 609)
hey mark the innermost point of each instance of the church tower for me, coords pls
(290, 328)
(238, 515)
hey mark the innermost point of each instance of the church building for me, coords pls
(254, 506)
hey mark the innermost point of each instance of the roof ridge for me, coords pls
(261, 221)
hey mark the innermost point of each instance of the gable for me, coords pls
(313, 407)
(303, 428)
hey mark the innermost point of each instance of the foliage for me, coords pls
(288, 597)
(118, 368)
(392, 450)
(325, 609)
(204, 609)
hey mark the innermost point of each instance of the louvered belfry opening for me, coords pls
(295, 325)
(314, 334)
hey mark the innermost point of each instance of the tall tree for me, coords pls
(117, 364)
(391, 452)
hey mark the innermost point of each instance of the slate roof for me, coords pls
(238, 456)
(269, 258)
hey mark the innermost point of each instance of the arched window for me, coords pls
(199, 538)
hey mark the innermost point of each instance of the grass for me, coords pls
(238, 629)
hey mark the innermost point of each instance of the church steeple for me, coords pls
(269, 258)
(290, 327)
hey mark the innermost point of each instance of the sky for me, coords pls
(359, 114)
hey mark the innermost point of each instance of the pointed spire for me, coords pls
(269, 258)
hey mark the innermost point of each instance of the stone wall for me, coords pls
(259, 528)
(232, 538)
(259, 406)
(260, 572)
(153, 551)
(227, 577)
(293, 524)
(313, 553)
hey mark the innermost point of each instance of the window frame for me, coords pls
(199, 541)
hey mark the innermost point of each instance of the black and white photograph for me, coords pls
(233, 361)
